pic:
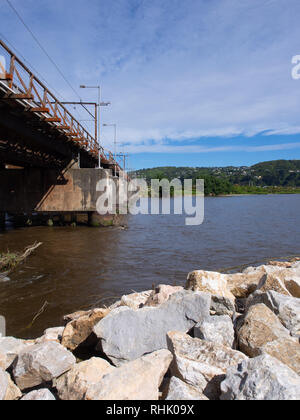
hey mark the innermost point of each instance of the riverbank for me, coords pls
(238, 192)
(222, 336)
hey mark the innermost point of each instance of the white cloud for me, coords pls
(173, 69)
(160, 148)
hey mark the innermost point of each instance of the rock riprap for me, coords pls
(225, 336)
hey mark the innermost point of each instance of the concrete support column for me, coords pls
(67, 196)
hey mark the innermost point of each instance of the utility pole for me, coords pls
(124, 156)
(99, 122)
(115, 143)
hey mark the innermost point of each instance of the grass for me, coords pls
(10, 260)
(265, 190)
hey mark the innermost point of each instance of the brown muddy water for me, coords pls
(77, 268)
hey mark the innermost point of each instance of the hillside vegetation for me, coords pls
(280, 176)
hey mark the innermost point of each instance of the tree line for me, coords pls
(281, 176)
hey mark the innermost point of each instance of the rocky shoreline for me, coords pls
(222, 337)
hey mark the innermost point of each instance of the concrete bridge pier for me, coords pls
(35, 196)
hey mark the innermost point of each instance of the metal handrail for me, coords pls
(42, 105)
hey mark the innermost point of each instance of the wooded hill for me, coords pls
(278, 176)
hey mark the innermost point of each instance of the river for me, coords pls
(77, 268)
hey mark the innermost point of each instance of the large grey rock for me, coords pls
(74, 384)
(39, 395)
(8, 390)
(181, 391)
(10, 347)
(286, 308)
(201, 364)
(261, 378)
(127, 334)
(137, 380)
(41, 363)
(217, 329)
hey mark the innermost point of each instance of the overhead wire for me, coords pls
(41, 47)
(44, 51)
(58, 94)
(31, 66)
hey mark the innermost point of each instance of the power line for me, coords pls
(41, 76)
(31, 66)
(41, 47)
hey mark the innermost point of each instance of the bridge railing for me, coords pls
(24, 86)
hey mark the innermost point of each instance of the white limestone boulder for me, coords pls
(138, 380)
(259, 379)
(41, 363)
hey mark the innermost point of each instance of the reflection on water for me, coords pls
(77, 267)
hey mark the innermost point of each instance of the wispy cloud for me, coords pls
(174, 69)
(160, 148)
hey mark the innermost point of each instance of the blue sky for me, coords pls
(192, 83)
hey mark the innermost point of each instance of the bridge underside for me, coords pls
(42, 190)
(28, 141)
(35, 196)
